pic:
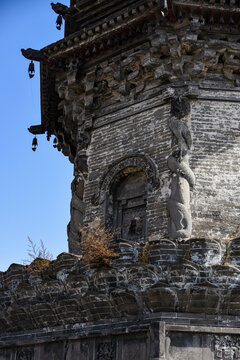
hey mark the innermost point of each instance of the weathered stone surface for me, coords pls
(143, 97)
(179, 277)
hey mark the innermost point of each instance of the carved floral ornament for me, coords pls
(106, 351)
(226, 347)
(136, 161)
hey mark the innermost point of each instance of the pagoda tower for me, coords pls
(143, 98)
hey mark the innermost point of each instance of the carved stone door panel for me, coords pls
(129, 207)
(133, 223)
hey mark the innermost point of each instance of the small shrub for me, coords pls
(37, 252)
(97, 246)
(38, 265)
(145, 254)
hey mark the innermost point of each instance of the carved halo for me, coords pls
(139, 161)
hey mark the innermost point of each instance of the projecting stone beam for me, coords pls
(60, 9)
(32, 54)
(36, 129)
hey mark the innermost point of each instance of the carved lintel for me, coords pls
(143, 162)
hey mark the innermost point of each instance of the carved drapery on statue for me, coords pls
(180, 222)
(77, 204)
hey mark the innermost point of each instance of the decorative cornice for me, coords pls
(106, 33)
(185, 44)
(128, 23)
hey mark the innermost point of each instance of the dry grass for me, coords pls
(39, 257)
(38, 265)
(97, 246)
(145, 254)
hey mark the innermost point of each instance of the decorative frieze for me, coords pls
(106, 351)
(226, 347)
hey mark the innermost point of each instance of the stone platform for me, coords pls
(183, 302)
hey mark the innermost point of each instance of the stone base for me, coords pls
(167, 336)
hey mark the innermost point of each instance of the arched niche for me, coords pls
(126, 205)
(123, 193)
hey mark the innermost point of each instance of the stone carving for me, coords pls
(81, 165)
(26, 354)
(180, 224)
(32, 54)
(60, 9)
(84, 139)
(106, 351)
(226, 347)
(180, 108)
(143, 162)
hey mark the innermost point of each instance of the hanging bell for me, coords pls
(48, 136)
(59, 22)
(31, 69)
(55, 141)
(34, 144)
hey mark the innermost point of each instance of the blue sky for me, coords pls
(35, 186)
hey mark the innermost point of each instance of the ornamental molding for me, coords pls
(134, 161)
(226, 347)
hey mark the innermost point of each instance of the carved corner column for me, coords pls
(77, 207)
(183, 179)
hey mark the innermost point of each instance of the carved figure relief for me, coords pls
(106, 351)
(183, 179)
(129, 207)
(180, 108)
(226, 348)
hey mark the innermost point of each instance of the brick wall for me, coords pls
(145, 133)
(215, 161)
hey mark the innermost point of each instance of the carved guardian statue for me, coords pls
(180, 223)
